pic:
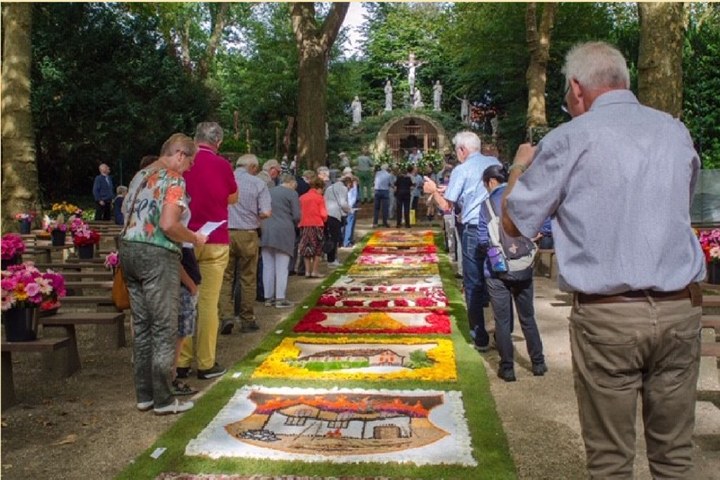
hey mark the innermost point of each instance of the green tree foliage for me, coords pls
(701, 107)
(103, 91)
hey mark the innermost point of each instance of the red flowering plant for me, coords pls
(12, 244)
(25, 216)
(84, 235)
(26, 286)
(710, 244)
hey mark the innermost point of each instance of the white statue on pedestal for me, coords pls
(356, 107)
(388, 96)
(417, 100)
(437, 95)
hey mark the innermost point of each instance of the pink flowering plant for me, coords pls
(710, 243)
(84, 235)
(25, 216)
(112, 260)
(26, 286)
(12, 244)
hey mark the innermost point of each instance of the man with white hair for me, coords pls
(466, 189)
(635, 322)
(103, 191)
(244, 216)
(383, 184)
(270, 172)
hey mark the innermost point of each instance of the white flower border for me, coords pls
(455, 448)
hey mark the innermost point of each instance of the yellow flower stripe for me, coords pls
(278, 363)
(401, 239)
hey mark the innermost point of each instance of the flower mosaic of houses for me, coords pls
(374, 357)
(306, 420)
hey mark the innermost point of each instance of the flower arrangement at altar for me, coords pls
(83, 235)
(26, 286)
(65, 209)
(12, 245)
(351, 358)
(710, 244)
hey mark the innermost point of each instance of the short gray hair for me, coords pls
(209, 132)
(323, 170)
(287, 179)
(247, 160)
(270, 164)
(469, 140)
(596, 65)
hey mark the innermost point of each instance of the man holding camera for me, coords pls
(466, 189)
(635, 322)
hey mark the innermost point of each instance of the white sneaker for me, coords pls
(145, 406)
(334, 264)
(176, 407)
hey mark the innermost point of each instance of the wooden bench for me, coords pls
(43, 345)
(110, 329)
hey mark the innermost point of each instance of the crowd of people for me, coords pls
(635, 320)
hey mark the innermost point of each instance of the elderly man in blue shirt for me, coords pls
(635, 321)
(466, 189)
(103, 192)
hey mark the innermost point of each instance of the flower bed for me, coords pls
(383, 297)
(418, 321)
(395, 270)
(409, 358)
(379, 249)
(395, 259)
(394, 238)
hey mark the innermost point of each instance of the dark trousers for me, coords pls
(402, 210)
(474, 283)
(502, 293)
(103, 212)
(332, 229)
(382, 203)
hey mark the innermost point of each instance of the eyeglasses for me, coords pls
(564, 107)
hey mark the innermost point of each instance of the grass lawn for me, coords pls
(489, 444)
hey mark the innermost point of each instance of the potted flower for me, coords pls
(12, 249)
(710, 244)
(57, 228)
(85, 239)
(25, 290)
(25, 220)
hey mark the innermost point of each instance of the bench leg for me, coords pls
(110, 336)
(63, 362)
(8, 385)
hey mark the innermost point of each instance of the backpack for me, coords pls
(517, 253)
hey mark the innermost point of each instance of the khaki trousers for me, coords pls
(244, 254)
(212, 260)
(622, 351)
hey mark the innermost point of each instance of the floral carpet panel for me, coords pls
(380, 249)
(396, 259)
(381, 283)
(421, 427)
(361, 358)
(383, 297)
(400, 238)
(395, 270)
(365, 320)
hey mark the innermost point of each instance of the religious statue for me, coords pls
(356, 107)
(388, 96)
(412, 65)
(437, 95)
(417, 100)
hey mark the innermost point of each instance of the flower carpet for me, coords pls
(371, 380)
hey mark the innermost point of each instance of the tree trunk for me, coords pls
(660, 72)
(538, 40)
(314, 44)
(20, 191)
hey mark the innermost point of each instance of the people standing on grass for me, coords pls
(211, 186)
(506, 288)
(465, 190)
(278, 241)
(150, 250)
(635, 321)
(313, 215)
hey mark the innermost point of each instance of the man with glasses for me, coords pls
(466, 189)
(635, 321)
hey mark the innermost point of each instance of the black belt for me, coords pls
(692, 292)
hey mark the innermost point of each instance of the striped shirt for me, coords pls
(253, 199)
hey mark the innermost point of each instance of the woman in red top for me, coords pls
(313, 215)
